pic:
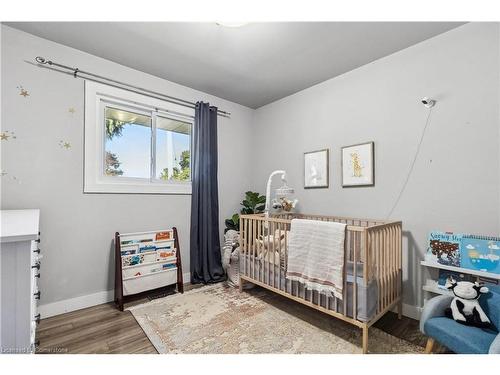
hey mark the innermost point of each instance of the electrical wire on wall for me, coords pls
(428, 103)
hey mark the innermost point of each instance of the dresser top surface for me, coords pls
(19, 225)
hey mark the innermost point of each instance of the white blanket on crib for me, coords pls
(316, 255)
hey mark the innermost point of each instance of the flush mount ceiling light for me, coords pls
(231, 24)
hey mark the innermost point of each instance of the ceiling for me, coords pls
(253, 65)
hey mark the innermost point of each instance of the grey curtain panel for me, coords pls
(206, 265)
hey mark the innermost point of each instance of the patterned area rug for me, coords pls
(219, 319)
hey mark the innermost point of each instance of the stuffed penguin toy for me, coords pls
(465, 308)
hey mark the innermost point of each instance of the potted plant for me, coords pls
(254, 203)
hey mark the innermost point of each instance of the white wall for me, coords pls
(77, 229)
(454, 185)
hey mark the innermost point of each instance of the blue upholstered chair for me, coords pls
(458, 337)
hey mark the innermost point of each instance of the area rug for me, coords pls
(218, 319)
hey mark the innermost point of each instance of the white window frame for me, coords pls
(97, 98)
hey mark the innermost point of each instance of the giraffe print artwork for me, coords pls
(357, 168)
(358, 164)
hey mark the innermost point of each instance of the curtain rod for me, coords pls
(77, 73)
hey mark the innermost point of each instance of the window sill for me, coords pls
(146, 188)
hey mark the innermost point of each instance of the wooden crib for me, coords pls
(372, 273)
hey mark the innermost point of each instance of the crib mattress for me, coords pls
(367, 293)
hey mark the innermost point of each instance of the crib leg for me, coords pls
(241, 285)
(365, 339)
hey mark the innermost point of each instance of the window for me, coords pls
(173, 150)
(127, 143)
(135, 144)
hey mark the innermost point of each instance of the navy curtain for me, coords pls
(206, 265)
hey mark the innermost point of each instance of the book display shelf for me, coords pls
(461, 257)
(146, 261)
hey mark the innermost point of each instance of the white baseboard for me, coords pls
(412, 311)
(73, 304)
(82, 302)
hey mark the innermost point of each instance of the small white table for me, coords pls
(19, 273)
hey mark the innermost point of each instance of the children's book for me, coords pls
(481, 253)
(146, 248)
(128, 251)
(163, 236)
(445, 277)
(444, 248)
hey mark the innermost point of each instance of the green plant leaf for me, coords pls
(259, 209)
(253, 203)
(232, 223)
(236, 219)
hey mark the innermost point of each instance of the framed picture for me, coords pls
(316, 169)
(358, 165)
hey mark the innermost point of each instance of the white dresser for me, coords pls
(19, 274)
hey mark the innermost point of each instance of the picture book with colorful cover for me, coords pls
(445, 278)
(444, 248)
(480, 253)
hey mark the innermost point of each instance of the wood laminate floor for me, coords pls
(105, 329)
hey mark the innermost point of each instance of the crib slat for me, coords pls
(262, 252)
(382, 267)
(355, 283)
(386, 267)
(275, 249)
(254, 223)
(287, 229)
(366, 254)
(243, 232)
(268, 252)
(393, 268)
(248, 238)
(400, 261)
(388, 264)
(246, 242)
(274, 258)
(384, 263)
(280, 252)
(344, 274)
(393, 278)
(386, 280)
(379, 272)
